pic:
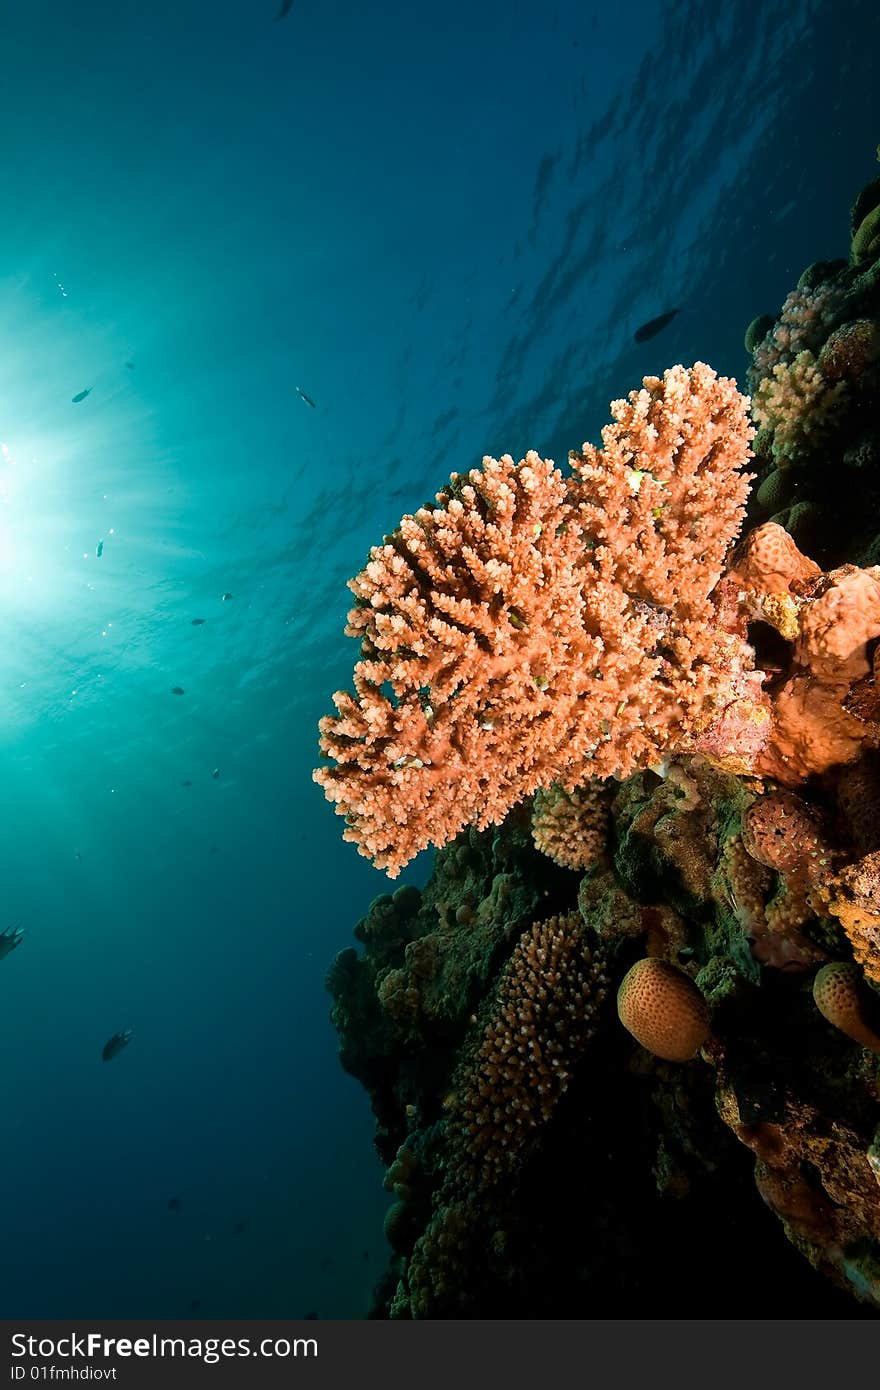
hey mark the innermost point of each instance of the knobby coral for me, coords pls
(545, 1013)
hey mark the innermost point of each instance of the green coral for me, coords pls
(865, 246)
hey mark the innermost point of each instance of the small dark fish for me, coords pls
(303, 397)
(186, 784)
(366, 1254)
(216, 773)
(654, 326)
(311, 1317)
(286, 7)
(99, 550)
(198, 622)
(238, 1227)
(213, 850)
(226, 598)
(177, 690)
(130, 366)
(113, 1046)
(80, 396)
(10, 938)
(174, 1204)
(195, 1305)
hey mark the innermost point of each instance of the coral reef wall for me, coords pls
(623, 1050)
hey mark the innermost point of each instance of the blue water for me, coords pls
(444, 223)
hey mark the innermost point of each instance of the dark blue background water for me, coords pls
(444, 222)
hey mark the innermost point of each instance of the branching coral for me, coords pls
(473, 637)
(666, 492)
(526, 630)
(802, 325)
(814, 379)
(797, 402)
(571, 828)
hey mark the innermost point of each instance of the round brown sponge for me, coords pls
(841, 996)
(663, 1009)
